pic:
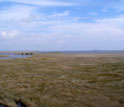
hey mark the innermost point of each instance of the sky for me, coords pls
(48, 25)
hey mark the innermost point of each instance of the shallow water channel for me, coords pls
(13, 56)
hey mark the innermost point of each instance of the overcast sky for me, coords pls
(61, 25)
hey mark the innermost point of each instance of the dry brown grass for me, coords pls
(63, 80)
(4, 55)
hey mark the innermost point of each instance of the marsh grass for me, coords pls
(63, 80)
(4, 55)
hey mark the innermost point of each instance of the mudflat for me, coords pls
(63, 80)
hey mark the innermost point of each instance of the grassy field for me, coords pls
(63, 80)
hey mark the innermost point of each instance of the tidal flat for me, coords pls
(63, 80)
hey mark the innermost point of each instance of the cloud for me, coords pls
(9, 33)
(53, 28)
(114, 6)
(29, 20)
(16, 13)
(93, 13)
(40, 2)
(65, 13)
(19, 17)
(108, 27)
(117, 22)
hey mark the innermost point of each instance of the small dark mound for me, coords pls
(121, 101)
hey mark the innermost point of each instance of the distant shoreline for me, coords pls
(78, 52)
(84, 52)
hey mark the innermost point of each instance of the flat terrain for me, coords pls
(63, 80)
(3, 55)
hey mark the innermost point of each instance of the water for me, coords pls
(86, 52)
(19, 104)
(3, 105)
(14, 56)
